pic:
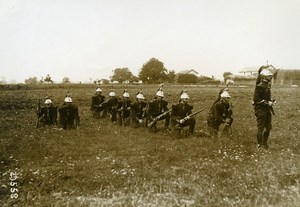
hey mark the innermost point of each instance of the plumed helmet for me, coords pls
(184, 96)
(266, 72)
(140, 96)
(98, 90)
(160, 92)
(68, 99)
(225, 94)
(48, 101)
(112, 93)
(126, 94)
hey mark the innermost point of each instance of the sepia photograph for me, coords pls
(139, 103)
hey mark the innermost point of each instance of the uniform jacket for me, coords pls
(138, 109)
(158, 107)
(112, 105)
(219, 112)
(49, 114)
(262, 95)
(69, 113)
(96, 101)
(180, 110)
(124, 105)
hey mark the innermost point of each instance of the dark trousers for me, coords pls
(214, 128)
(264, 126)
(190, 122)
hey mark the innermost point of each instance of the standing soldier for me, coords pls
(180, 114)
(220, 113)
(112, 105)
(158, 110)
(263, 106)
(68, 114)
(124, 108)
(47, 115)
(98, 104)
(139, 110)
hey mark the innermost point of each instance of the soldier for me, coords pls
(220, 113)
(139, 110)
(68, 114)
(158, 110)
(112, 105)
(124, 109)
(47, 115)
(98, 104)
(180, 114)
(263, 106)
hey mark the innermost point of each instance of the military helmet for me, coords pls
(225, 94)
(160, 93)
(126, 94)
(48, 101)
(184, 96)
(266, 72)
(68, 99)
(140, 96)
(112, 93)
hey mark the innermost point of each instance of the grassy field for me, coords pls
(102, 164)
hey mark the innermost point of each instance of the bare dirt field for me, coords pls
(103, 164)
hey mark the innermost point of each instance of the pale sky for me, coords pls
(84, 39)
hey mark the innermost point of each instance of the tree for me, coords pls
(31, 81)
(171, 76)
(153, 71)
(134, 79)
(228, 76)
(66, 80)
(187, 79)
(121, 75)
(48, 79)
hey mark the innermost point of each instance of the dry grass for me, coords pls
(102, 164)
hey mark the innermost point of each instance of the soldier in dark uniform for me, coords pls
(220, 113)
(47, 115)
(98, 104)
(124, 109)
(139, 111)
(180, 114)
(158, 107)
(68, 114)
(112, 105)
(263, 106)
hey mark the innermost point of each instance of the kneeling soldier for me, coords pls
(220, 113)
(68, 114)
(124, 109)
(180, 114)
(47, 115)
(158, 110)
(98, 104)
(139, 110)
(112, 105)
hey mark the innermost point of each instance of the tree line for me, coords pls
(154, 71)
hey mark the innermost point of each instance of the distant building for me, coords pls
(249, 71)
(191, 72)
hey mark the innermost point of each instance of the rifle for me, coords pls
(157, 118)
(189, 116)
(38, 110)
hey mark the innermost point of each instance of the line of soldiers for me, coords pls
(143, 113)
(67, 115)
